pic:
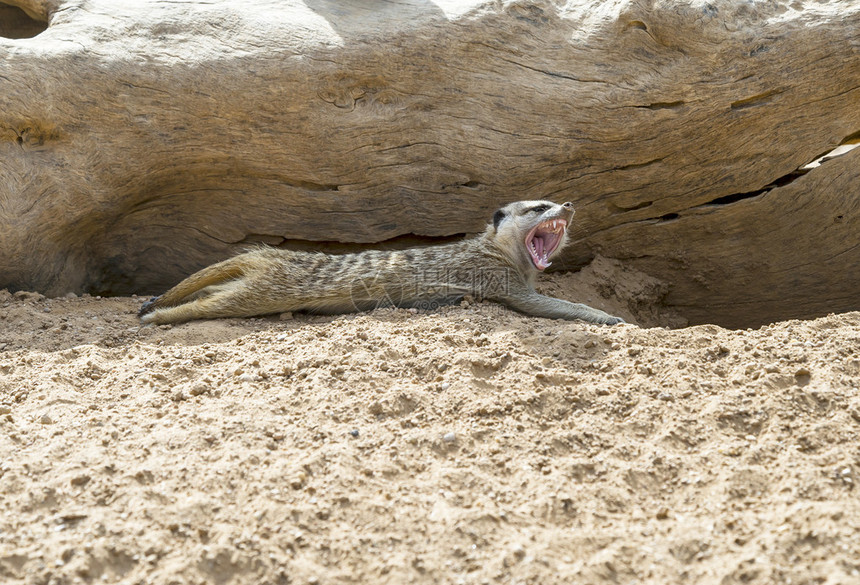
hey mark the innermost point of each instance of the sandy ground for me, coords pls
(468, 445)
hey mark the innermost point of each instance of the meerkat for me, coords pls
(499, 265)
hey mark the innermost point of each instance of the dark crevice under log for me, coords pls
(17, 24)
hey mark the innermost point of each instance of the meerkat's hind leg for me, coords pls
(198, 283)
(154, 303)
(221, 301)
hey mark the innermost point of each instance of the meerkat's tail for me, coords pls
(216, 274)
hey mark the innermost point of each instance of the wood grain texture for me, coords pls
(141, 141)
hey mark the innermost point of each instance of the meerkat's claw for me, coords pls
(148, 306)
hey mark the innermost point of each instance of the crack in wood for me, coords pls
(552, 73)
(755, 100)
(402, 242)
(846, 145)
(662, 105)
(616, 208)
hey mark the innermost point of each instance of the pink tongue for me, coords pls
(539, 247)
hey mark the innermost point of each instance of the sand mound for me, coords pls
(469, 445)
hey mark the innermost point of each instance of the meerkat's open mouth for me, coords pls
(543, 240)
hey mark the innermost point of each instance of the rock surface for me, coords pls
(143, 140)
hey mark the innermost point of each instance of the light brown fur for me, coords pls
(495, 265)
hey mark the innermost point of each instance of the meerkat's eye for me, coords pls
(539, 208)
(498, 217)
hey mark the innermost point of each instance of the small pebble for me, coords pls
(5, 409)
(80, 480)
(449, 437)
(354, 432)
(445, 386)
(519, 552)
(199, 388)
(288, 316)
(298, 480)
(46, 419)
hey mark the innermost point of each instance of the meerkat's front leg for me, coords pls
(538, 305)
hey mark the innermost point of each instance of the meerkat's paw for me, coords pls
(602, 318)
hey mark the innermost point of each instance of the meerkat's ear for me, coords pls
(498, 217)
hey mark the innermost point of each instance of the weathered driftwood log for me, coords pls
(140, 141)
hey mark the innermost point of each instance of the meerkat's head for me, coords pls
(532, 231)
